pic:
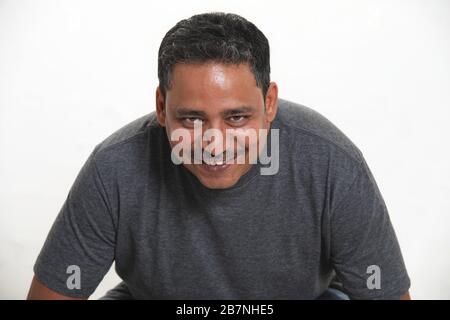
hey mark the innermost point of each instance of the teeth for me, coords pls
(211, 162)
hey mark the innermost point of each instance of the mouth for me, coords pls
(212, 165)
(215, 167)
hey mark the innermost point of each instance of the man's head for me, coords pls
(214, 69)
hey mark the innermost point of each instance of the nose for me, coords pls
(214, 137)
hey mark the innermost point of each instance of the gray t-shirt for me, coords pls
(282, 236)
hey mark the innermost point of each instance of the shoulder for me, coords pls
(128, 145)
(310, 127)
(129, 133)
(128, 150)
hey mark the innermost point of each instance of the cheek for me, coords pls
(187, 141)
(259, 122)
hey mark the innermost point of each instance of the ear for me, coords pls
(271, 101)
(160, 108)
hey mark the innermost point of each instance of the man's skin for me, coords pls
(220, 97)
(214, 94)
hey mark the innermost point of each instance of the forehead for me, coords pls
(213, 84)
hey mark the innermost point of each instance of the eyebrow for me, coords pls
(187, 111)
(238, 110)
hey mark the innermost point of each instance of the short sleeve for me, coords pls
(365, 252)
(80, 246)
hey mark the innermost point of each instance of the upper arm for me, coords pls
(80, 246)
(364, 248)
(38, 291)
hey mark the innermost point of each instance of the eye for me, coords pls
(192, 120)
(237, 119)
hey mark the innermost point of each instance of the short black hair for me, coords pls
(218, 37)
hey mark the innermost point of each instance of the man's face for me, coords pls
(217, 96)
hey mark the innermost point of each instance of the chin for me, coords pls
(220, 179)
(218, 183)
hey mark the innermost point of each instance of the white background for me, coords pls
(72, 72)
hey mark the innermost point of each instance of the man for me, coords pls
(221, 229)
